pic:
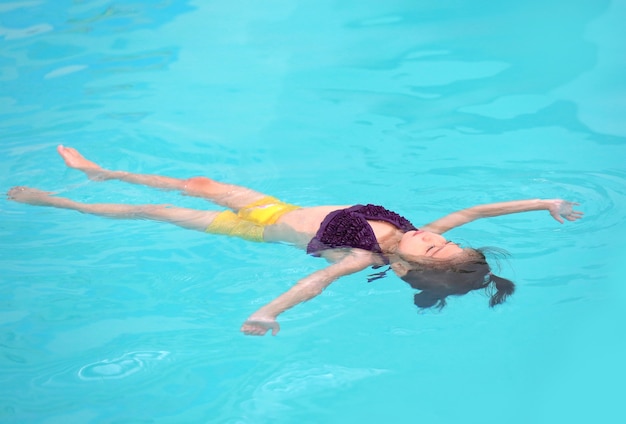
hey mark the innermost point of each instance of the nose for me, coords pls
(429, 237)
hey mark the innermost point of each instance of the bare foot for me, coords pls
(75, 160)
(30, 196)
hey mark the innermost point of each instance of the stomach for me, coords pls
(307, 220)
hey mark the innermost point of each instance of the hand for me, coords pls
(560, 209)
(259, 325)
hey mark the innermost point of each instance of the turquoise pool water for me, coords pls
(425, 107)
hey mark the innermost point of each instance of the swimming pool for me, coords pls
(424, 108)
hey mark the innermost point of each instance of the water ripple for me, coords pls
(121, 367)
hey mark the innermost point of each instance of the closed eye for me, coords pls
(440, 247)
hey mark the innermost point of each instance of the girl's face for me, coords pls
(424, 244)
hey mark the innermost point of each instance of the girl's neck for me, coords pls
(389, 242)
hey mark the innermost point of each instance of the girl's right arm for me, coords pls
(558, 208)
(307, 288)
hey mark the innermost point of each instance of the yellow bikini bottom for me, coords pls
(265, 211)
(250, 221)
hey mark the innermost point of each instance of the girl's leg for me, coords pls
(187, 218)
(231, 196)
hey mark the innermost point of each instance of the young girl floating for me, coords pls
(351, 238)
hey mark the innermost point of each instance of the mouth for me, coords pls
(417, 232)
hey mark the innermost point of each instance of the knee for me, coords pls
(199, 185)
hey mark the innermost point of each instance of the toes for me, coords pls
(15, 191)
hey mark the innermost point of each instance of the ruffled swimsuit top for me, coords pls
(348, 228)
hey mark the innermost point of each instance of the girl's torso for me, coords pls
(300, 226)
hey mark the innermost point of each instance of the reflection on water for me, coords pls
(294, 382)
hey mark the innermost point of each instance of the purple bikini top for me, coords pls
(349, 228)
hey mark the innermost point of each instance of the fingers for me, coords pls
(574, 216)
(254, 332)
(250, 330)
(259, 329)
(566, 211)
(556, 216)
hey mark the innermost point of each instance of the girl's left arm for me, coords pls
(305, 289)
(559, 209)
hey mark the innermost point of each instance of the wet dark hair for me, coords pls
(436, 282)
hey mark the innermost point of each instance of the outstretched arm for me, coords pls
(558, 208)
(307, 288)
